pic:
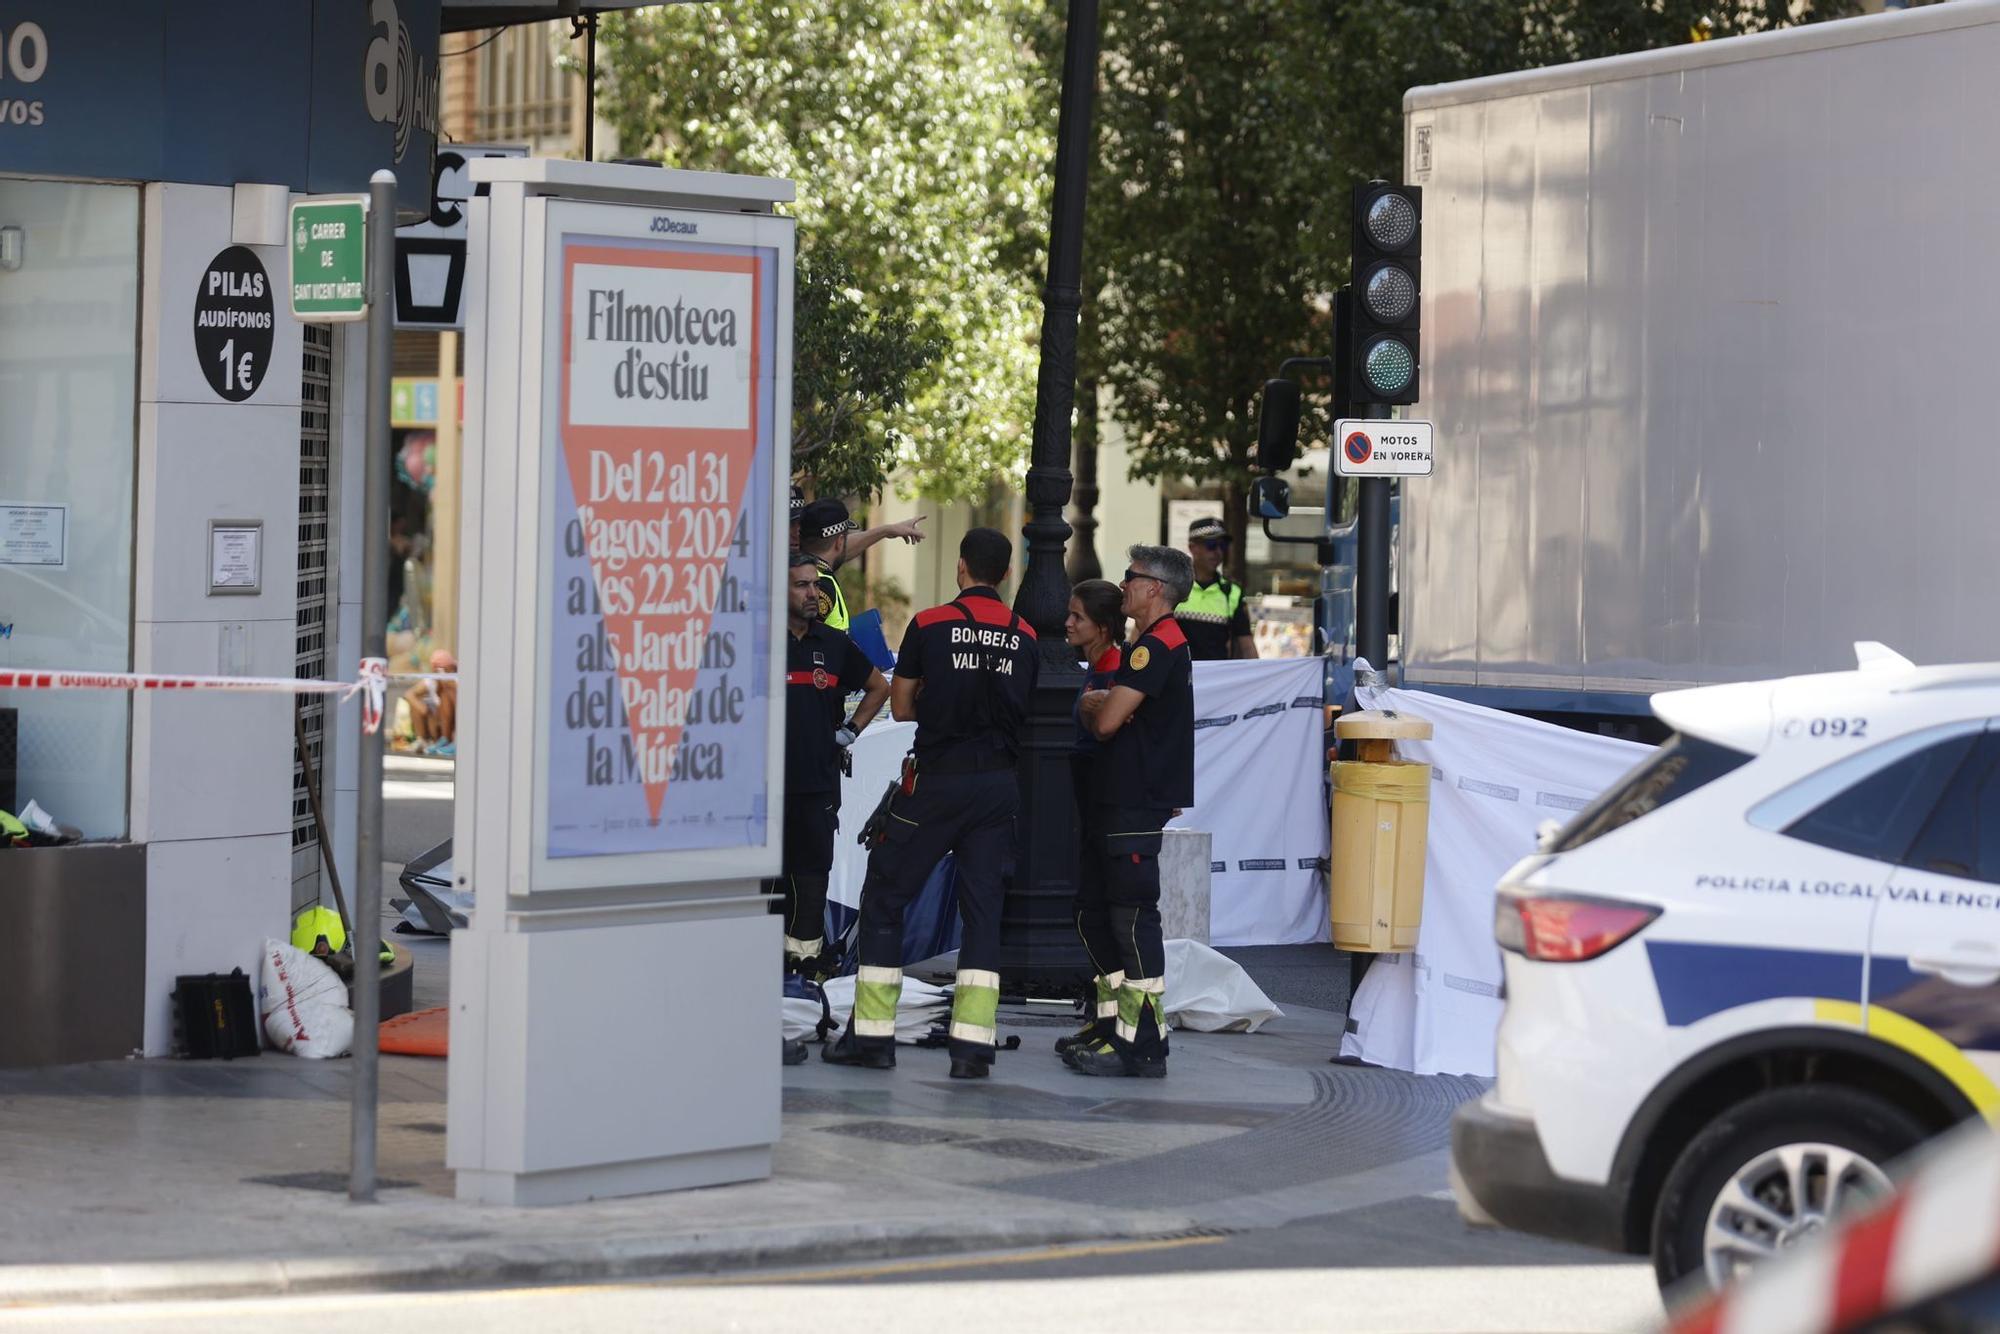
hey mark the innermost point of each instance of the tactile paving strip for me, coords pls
(1358, 1119)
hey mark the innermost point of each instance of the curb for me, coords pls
(28, 1286)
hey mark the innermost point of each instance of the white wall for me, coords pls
(211, 773)
(1128, 512)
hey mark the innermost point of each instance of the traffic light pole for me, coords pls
(1371, 565)
(366, 936)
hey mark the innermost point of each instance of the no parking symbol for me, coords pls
(1382, 448)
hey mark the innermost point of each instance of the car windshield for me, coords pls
(1681, 765)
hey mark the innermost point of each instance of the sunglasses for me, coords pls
(1130, 575)
(1214, 544)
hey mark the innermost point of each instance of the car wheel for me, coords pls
(1769, 1173)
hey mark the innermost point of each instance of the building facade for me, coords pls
(178, 462)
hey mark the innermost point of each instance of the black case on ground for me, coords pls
(215, 1015)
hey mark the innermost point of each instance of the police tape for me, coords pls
(371, 683)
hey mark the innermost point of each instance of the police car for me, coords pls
(1747, 978)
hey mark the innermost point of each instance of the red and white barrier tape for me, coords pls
(371, 683)
(1940, 1232)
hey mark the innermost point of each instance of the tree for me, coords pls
(853, 372)
(1229, 138)
(920, 153)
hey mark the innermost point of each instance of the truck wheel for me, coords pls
(1768, 1174)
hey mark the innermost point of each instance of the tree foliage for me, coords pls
(1228, 140)
(854, 369)
(917, 134)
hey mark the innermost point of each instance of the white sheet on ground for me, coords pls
(1210, 993)
(1496, 777)
(921, 1006)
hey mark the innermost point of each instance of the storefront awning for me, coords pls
(466, 15)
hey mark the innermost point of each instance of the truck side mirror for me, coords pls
(1270, 498)
(1278, 426)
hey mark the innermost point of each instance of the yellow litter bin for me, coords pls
(1381, 817)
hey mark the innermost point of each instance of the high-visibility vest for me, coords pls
(832, 601)
(1215, 604)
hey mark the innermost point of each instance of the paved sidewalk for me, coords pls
(136, 1178)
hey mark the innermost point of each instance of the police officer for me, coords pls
(822, 667)
(828, 535)
(964, 674)
(1212, 613)
(798, 508)
(1143, 775)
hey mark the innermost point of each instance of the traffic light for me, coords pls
(1380, 333)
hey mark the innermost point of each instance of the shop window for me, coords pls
(69, 296)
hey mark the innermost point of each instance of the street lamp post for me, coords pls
(1039, 944)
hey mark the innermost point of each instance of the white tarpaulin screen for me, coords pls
(1259, 791)
(1495, 778)
(878, 758)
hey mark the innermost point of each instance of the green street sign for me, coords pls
(330, 260)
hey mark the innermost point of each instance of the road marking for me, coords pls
(948, 1262)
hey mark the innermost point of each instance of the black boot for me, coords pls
(794, 1051)
(850, 1050)
(970, 1069)
(1116, 1060)
(1092, 1033)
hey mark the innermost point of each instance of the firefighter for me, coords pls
(964, 675)
(1211, 613)
(828, 535)
(822, 667)
(1095, 628)
(1143, 776)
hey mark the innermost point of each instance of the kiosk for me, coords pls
(615, 1024)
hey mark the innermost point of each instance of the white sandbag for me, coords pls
(1210, 993)
(304, 1004)
(921, 1006)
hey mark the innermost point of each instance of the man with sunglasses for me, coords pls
(1216, 621)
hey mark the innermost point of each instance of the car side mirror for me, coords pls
(1270, 498)
(1278, 426)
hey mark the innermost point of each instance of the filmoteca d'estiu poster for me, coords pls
(659, 709)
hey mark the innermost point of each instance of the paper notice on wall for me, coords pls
(34, 535)
(659, 712)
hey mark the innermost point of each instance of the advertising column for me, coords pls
(615, 1008)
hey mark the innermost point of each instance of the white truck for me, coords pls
(1711, 338)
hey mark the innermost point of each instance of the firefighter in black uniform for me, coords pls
(1144, 775)
(964, 674)
(822, 667)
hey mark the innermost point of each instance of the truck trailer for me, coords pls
(1711, 340)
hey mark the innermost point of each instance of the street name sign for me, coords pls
(330, 259)
(1363, 448)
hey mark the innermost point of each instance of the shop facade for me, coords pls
(179, 481)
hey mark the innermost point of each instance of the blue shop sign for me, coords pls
(314, 94)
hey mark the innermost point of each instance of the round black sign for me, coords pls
(233, 323)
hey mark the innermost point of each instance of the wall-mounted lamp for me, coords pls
(13, 241)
